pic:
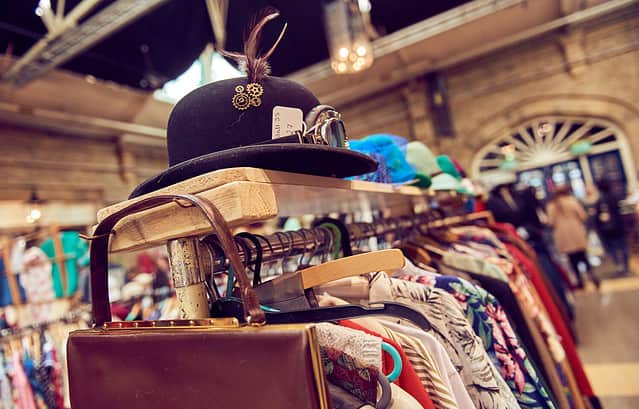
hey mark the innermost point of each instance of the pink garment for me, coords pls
(23, 395)
(36, 276)
(37, 281)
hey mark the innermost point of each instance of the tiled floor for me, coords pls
(607, 326)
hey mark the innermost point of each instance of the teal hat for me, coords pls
(425, 163)
(447, 166)
(444, 181)
(423, 160)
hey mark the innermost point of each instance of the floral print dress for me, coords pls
(490, 323)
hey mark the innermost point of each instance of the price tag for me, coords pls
(286, 121)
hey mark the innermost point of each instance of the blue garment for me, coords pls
(5, 289)
(30, 371)
(549, 268)
(617, 248)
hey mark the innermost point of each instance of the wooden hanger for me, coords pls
(416, 253)
(360, 264)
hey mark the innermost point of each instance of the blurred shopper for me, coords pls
(566, 216)
(610, 227)
(161, 275)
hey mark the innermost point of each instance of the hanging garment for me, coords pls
(36, 279)
(5, 292)
(30, 371)
(75, 254)
(22, 388)
(491, 324)
(6, 397)
(449, 325)
(528, 333)
(366, 348)
(450, 377)
(558, 322)
(527, 295)
(36, 276)
(426, 369)
(47, 374)
(468, 263)
(408, 379)
(539, 255)
(355, 377)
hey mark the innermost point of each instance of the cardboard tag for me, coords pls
(286, 121)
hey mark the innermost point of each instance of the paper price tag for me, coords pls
(286, 121)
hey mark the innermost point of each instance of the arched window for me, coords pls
(557, 149)
(546, 140)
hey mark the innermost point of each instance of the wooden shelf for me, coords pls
(246, 195)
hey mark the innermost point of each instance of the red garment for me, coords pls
(480, 205)
(555, 317)
(408, 379)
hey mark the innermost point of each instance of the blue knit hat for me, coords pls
(392, 149)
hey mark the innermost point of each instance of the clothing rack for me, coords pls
(78, 315)
(244, 196)
(248, 195)
(159, 293)
(320, 240)
(453, 220)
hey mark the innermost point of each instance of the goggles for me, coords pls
(323, 125)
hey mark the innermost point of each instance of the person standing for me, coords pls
(566, 216)
(610, 227)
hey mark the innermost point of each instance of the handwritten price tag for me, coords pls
(286, 121)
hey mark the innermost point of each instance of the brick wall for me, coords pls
(70, 168)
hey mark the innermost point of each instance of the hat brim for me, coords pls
(444, 181)
(423, 181)
(317, 160)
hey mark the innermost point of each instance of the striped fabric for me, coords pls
(426, 369)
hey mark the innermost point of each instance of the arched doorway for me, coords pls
(557, 149)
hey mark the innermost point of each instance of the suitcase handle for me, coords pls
(100, 252)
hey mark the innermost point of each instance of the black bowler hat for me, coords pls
(226, 123)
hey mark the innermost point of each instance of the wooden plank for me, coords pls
(239, 202)
(14, 290)
(218, 178)
(243, 202)
(59, 257)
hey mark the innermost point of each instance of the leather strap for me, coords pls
(100, 253)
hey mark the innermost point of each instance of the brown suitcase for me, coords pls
(190, 364)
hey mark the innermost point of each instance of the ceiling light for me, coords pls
(34, 208)
(349, 45)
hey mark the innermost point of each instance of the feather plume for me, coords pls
(256, 66)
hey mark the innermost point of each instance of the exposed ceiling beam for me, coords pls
(87, 125)
(66, 40)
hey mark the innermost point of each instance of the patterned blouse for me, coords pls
(449, 325)
(491, 324)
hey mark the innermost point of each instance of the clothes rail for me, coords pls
(317, 241)
(320, 241)
(78, 315)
